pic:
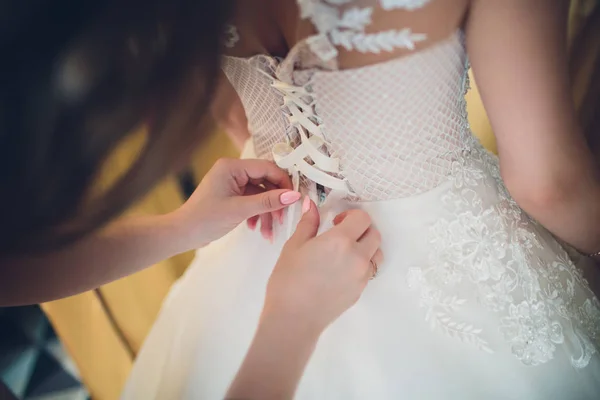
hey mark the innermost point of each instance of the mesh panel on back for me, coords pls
(262, 104)
(396, 126)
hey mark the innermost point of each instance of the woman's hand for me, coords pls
(231, 192)
(315, 280)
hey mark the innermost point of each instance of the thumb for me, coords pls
(271, 200)
(309, 223)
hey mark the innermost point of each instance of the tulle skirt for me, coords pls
(474, 301)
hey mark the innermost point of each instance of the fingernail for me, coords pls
(288, 198)
(306, 205)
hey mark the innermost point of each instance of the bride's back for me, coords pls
(386, 81)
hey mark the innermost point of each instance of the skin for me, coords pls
(304, 296)
(228, 195)
(522, 73)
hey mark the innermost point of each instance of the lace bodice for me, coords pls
(398, 127)
(392, 128)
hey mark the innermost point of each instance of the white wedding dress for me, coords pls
(474, 300)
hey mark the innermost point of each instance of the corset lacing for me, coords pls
(298, 106)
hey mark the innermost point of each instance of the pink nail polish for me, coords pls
(288, 198)
(306, 205)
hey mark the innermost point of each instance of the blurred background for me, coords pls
(84, 346)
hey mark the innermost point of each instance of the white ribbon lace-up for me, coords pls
(302, 116)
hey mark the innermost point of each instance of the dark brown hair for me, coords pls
(76, 77)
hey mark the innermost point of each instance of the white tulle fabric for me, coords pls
(475, 300)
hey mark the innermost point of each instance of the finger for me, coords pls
(378, 257)
(277, 214)
(266, 226)
(308, 227)
(245, 170)
(252, 222)
(340, 217)
(355, 223)
(374, 265)
(266, 202)
(370, 242)
(252, 189)
(266, 186)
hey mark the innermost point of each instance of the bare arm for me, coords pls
(306, 293)
(275, 361)
(519, 57)
(121, 249)
(217, 206)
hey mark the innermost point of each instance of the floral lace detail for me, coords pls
(231, 36)
(347, 28)
(404, 4)
(492, 252)
(493, 249)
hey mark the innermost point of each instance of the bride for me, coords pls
(363, 102)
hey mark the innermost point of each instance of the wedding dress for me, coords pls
(475, 300)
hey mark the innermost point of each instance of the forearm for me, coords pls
(122, 248)
(275, 361)
(571, 214)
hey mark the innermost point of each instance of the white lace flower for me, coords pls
(307, 7)
(532, 334)
(231, 36)
(466, 174)
(499, 296)
(590, 317)
(403, 4)
(325, 18)
(347, 28)
(484, 242)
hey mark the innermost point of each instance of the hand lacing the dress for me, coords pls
(298, 106)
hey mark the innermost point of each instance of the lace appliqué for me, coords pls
(231, 36)
(403, 4)
(347, 28)
(493, 252)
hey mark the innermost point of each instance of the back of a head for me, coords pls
(75, 78)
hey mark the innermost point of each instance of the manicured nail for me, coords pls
(288, 198)
(306, 205)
